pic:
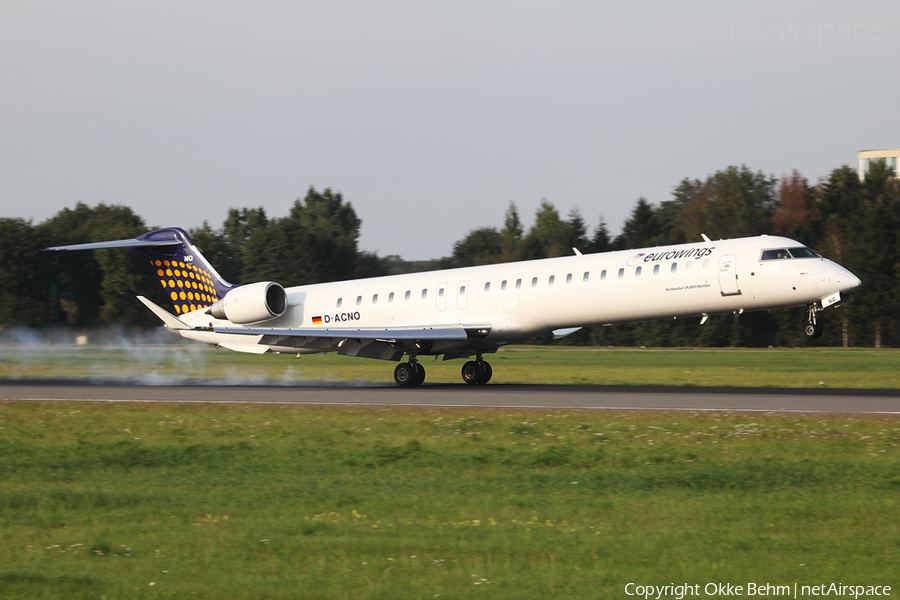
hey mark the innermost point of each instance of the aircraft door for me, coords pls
(462, 300)
(441, 297)
(728, 281)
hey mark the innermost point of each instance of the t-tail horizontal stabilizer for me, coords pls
(190, 282)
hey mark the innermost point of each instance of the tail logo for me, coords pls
(189, 287)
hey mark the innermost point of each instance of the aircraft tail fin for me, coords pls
(189, 280)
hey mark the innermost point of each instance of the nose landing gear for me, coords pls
(812, 328)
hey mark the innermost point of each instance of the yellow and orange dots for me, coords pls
(160, 272)
(178, 308)
(169, 272)
(162, 282)
(174, 296)
(171, 283)
(190, 296)
(182, 295)
(158, 263)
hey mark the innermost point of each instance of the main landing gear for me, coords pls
(409, 374)
(412, 374)
(812, 328)
(477, 372)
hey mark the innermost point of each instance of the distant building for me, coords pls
(866, 157)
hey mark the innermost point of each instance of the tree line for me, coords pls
(850, 220)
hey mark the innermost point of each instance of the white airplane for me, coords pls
(457, 313)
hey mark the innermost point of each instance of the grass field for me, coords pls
(174, 501)
(158, 364)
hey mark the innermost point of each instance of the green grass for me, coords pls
(192, 362)
(175, 501)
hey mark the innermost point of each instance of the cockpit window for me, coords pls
(775, 254)
(782, 253)
(804, 253)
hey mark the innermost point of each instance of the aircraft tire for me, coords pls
(488, 372)
(405, 375)
(814, 330)
(472, 372)
(420, 376)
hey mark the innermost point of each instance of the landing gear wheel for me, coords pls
(405, 374)
(814, 330)
(488, 372)
(472, 371)
(477, 372)
(420, 375)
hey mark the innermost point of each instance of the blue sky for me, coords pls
(429, 117)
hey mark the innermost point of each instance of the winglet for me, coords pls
(172, 322)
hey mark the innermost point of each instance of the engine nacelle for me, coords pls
(251, 303)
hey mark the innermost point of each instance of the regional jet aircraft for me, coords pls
(458, 313)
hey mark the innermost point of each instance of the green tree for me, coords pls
(482, 246)
(549, 235)
(316, 242)
(511, 234)
(731, 203)
(641, 229)
(99, 286)
(26, 289)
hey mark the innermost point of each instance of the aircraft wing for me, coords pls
(386, 343)
(388, 334)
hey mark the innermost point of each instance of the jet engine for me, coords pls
(251, 303)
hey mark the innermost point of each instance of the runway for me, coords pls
(581, 397)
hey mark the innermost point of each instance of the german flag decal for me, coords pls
(317, 320)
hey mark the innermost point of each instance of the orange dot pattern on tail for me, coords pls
(189, 287)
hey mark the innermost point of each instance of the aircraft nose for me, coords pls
(848, 281)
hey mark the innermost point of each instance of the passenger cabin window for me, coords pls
(518, 283)
(637, 272)
(621, 273)
(587, 275)
(487, 286)
(552, 279)
(462, 290)
(375, 299)
(656, 269)
(358, 300)
(534, 282)
(674, 267)
(569, 278)
(339, 302)
(706, 265)
(503, 285)
(690, 266)
(406, 296)
(440, 293)
(391, 297)
(603, 275)
(424, 293)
